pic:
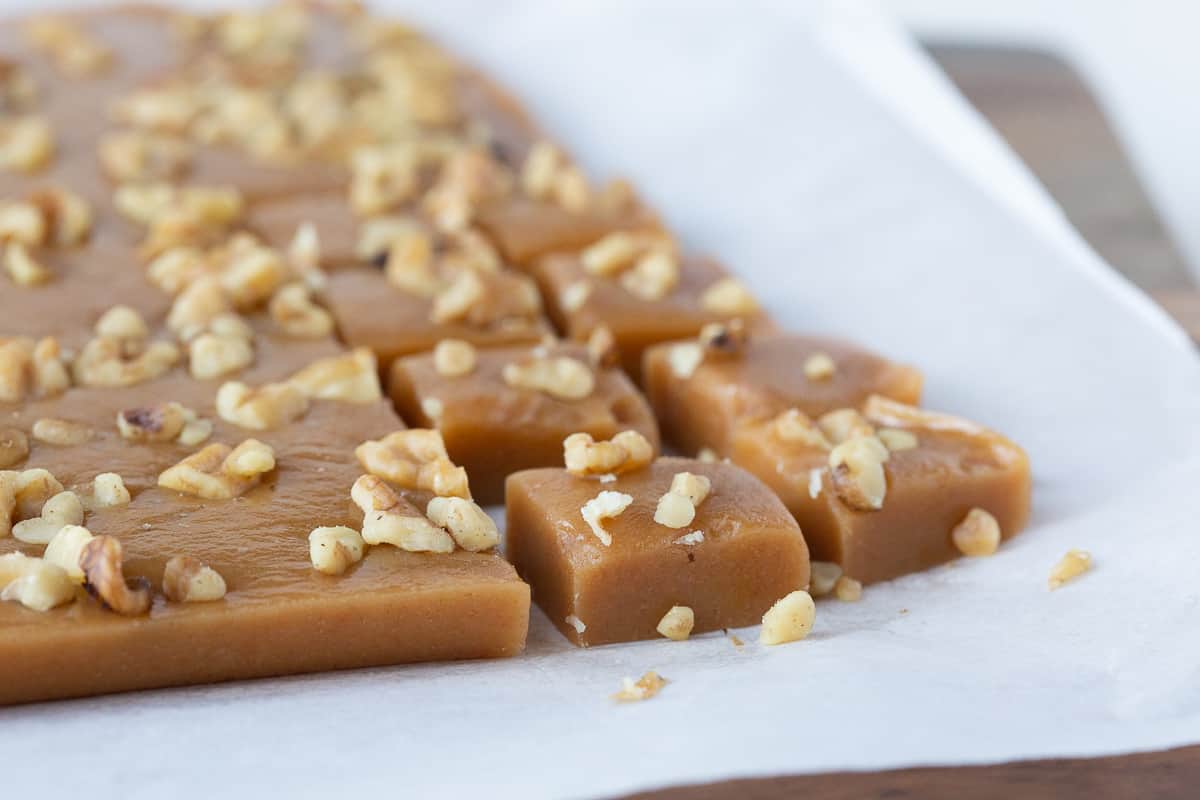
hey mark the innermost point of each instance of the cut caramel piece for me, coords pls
(621, 591)
(762, 377)
(494, 426)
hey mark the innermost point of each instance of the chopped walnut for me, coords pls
(212, 355)
(28, 367)
(293, 310)
(897, 439)
(8, 501)
(456, 301)
(561, 377)
(333, 550)
(383, 178)
(856, 467)
(643, 688)
(540, 169)
(32, 489)
(689, 539)
(885, 411)
(653, 276)
(684, 359)
(844, 424)
(602, 348)
(574, 295)
(677, 623)
(64, 508)
(819, 367)
(266, 407)
(728, 296)
(794, 426)
(469, 524)
(128, 156)
(165, 109)
(724, 339)
(977, 535)
(14, 447)
(789, 620)
(74, 50)
(410, 267)
(625, 452)
(677, 507)
(60, 432)
(304, 256)
(23, 268)
(65, 549)
(26, 144)
(104, 362)
(101, 561)
(605, 505)
(353, 377)
(189, 580)
(161, 423)
(34, 582)
(109, 491)
(453, 358)
(414, 458)
(847, 589)
(1070, 567)
(391, 519)
(219, 472)
(22, 222)
(198, 303)
(611, 255)
(377, 236)
(823, 578)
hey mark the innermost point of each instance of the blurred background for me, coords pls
(1099, 97)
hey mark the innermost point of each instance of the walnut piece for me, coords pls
(1070, 567)
(161, 423)
(101, 562)
(266, 407)
(561, 377)
(65, 549)
(677, 623)
(218, 472)
(453, 358)
(843, 424)
(333, 550)
(143, 156)
(977, 535)
(353, 378)
(14, 447)
(109, 491)
(625, 452)
(60, 432)
(605, 505)
(469, 524)
(391, 519)
(293, 310)
(847, 589)
(29, 368)
(34, 582)
(23, 268)
(897, 439)
(188, 580)
(856, 467)
(677, 507)
(823, 578)
(819, 367)
(684, 359)
(789, 620)
(64, 508)
(26, 144)
(643, 688)
(104, 362)
(414, 458)
(31, 489)
(728, 296)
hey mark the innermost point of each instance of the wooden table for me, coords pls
(1040, 105)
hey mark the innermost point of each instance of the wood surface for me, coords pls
(1045, 111)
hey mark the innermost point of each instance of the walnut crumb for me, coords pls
(1070, 567)
(625, 452)
(823, 577)
(790, 619)
(847, 589)
(606, 505)
(978, 534)
(454, 358)
(677, 623)
(561, 377)
(645, 687)
(819, 367)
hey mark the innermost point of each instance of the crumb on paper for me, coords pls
(1070, 567)
(645, 687)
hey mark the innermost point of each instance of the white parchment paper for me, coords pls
(811, 149)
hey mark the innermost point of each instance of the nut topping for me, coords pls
(108, 491)
(66, 547)
(414, 458)
(1070, 567)
(469, 524)
(823, 578)
(60, 510)
(643, 688)
(161, 423)
(562, 377)
(14, 447)
(333, 550)
(61, 432)
(34, 582)
(605, 505)
(391, 519)
(26, 144)
(101, 562)
(188, 580)
(789, 620)
(677, 623)
(847, 589)
(728, 296)
(819, 367)
(23, 268)
(977, 535)
(897, 439)
(794, 426)
(684, 359)
(218, 472)
(294, 311)
(844, 424)
(453, 358)
(856, 467)
(353, 378)
(625, 452)
(677, 507)
(270, 406)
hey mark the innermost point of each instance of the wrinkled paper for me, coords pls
(810, 147)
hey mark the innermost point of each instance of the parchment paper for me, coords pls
(810, 147)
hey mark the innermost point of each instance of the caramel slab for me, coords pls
(955, 466)
(763, 378)
(751, 553)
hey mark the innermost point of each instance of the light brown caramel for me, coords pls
(494, 429)
(750, 554)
